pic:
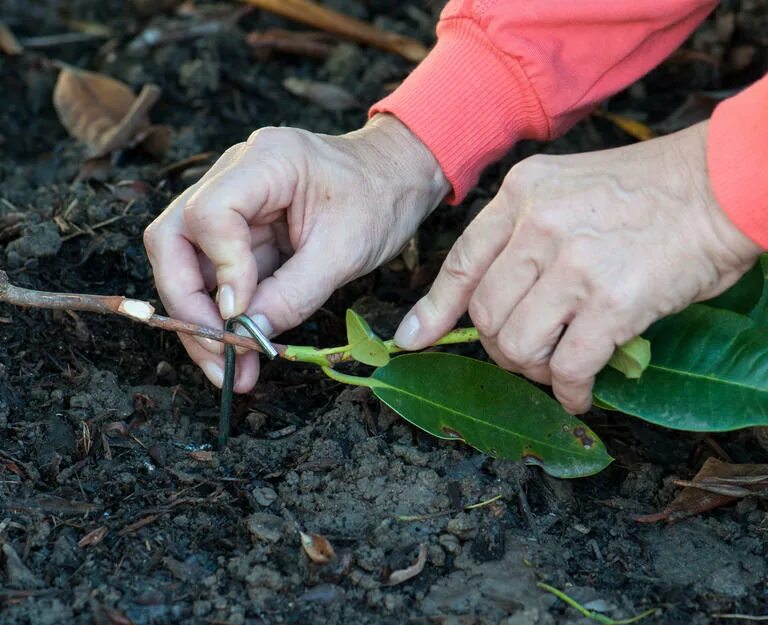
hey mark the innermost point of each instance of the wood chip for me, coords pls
(317, 547)
(201, 455)
(93, 537)
(8, 42)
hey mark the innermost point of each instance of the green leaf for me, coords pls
(454, 397)
(743, 296)
(366, 347)
(708, 372)
(760, 312)
(632, 358)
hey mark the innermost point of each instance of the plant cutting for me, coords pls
(706, 372)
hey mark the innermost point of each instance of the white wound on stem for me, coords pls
(137, 309)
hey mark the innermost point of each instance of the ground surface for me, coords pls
(196, 541)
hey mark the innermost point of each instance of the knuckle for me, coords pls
(460, 263)
(232, 151)
(509, 345)
(481, 316)
(264, 135)
(568, 372)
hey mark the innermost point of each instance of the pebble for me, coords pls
(450, 543)
(265, 527)
(462, 526)
(264, 495)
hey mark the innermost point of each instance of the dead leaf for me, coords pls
(93, 537)
(116, 426)
(127, 191)
(8, 42)
(95, 169)
(633, 127)
(317, 547)
(716, 484)
(403, 575)
(156, 140)
(102, 112)
(201, 455)
(327, 96)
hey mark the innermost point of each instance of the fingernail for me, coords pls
(214, 372)
(226, 299)
(408, 331)
(215, 347)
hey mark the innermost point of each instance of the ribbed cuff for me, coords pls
(468, 103)
(737, 159)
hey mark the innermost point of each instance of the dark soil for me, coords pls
(102, 421)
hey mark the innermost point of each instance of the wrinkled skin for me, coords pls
(281, 221)
(575, 255)
(578, 254)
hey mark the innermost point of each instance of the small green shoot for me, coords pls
(595, 616)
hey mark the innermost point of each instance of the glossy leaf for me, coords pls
(366, 346)
(708, 372)
(760, 312)
(632, 358)
(454, 397)
(743, 296)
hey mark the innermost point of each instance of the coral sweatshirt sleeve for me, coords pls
(737, 159)
(505, 70)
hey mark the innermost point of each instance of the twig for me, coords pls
(322, 18)
(741, 617)
(134, 309)
(52, 41)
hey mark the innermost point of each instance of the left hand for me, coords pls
(578, 254)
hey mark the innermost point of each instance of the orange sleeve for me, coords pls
(737, 158)
(505, 70)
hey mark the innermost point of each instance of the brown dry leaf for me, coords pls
(633, 127)
(327, 96)
(115, 617)
(100, 111)
(8, 42)
(156, 140)
(201, 455)
(317, 547)
(93, 537)
(716, 484)
(116, 426)
(403, 575)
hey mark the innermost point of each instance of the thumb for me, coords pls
(472, 254)
(296, 290)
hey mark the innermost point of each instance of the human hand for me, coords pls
(337, 207)
(578, 254)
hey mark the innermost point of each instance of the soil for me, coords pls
(106, 427)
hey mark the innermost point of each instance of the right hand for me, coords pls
(338, 207)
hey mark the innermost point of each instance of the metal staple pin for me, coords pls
(228, 384)
(256, 333)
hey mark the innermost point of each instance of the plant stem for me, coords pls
(331, 356)
(354, 380)
(595, 616)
